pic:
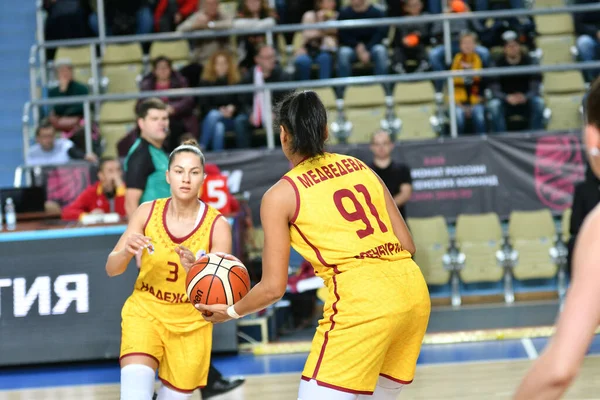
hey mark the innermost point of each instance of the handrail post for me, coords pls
(101, 24)
(87, 117)
(450, 80)
(33, 82)
(269, 120)
(95, 79)
(25, 127)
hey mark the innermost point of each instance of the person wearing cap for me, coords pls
(515, 95)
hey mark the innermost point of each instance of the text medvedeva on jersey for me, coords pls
(325, 172)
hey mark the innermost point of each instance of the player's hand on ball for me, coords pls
(215, 313)
(186, 257)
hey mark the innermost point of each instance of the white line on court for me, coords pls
(529, 348)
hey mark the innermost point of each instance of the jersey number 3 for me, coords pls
(359, 213)
(174, 272)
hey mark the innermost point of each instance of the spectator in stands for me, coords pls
(182, 120)
(437, 54)
(467, 90)
(318, 46)
(215, 192)
(516, 94)
(219, 110)
(253, 107)
(587, 28)
(65, 20)
(208, 17)
(362, 44)
(252, 14)
(396, 176)
(52, 150)
(484, 5)
(131, 17)
(105, 196)
(395, 7)
(68, 118)
(168, 14)
(410, 40)
(292, 12)
(145, 178)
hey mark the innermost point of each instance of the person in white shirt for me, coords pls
(52, 150)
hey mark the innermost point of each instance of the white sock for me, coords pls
(166, 393)
(386, 389)
(137, 382)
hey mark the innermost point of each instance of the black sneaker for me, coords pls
(221, 386)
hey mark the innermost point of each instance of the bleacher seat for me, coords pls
(563, 82)
(177, 50)
(414, 93)
(554, 24)
(478, 237)
(556, 49)
(415, 103)
(122, 78)
(112, 134)
(532, 235)
(130, 53)
(431, 239)
(565, 225)
(548, 3)
(365, 121)
(116, 119)
(327, 96)
(364, 96)
(566, 112)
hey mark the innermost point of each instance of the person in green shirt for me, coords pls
(66, 117)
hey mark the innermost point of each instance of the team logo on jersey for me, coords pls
(150, 248)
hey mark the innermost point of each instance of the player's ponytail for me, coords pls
(188, 146)
(304, 117)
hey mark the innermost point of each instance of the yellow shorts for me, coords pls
(374, 321)
(183, 357)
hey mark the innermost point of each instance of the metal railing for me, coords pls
(446, 18)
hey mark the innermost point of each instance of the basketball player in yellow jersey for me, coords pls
(340, 217)
(160, 327)
(554, 371)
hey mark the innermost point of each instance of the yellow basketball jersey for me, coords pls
(341, 220)
(160, 286)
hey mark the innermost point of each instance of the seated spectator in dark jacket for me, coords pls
(587, 28)
(253, 107)
(103, 197)
(181, 109)
(516, 94)
(218, 109)
(131, 17)
(168, 14)
(65, 20)
(410, 41)
(361, 44)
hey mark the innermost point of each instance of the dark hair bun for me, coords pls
(190, 142)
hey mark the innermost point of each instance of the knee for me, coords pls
(495, 106)
(166, 393)
(213, 115)
(345, 53)
(303, 61)
(379, 51)
(585, 42)
(537, 103)
(324, 58)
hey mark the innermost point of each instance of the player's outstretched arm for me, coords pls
(277, 207)
(221, 237)
(132, 242)
(398, 224)
(557, 367)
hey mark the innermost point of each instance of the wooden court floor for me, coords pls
(465, 381)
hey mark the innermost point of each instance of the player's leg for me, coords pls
(310, 390)
(386, 389)
(141, 350)
(167, 393)
(185, 364)
(411, 321)
(137, 377)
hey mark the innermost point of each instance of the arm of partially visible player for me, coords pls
(403, 195)
(131, 242)
(553, 372)
(277, 207)
(399, 226)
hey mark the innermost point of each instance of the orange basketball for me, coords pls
(217, 278)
